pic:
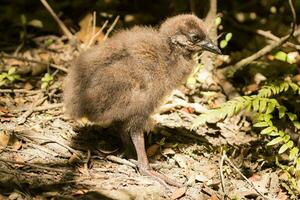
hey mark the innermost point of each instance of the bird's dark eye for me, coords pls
(195, 37)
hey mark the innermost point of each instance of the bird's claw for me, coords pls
(147, 171)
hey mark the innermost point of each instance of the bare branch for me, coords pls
(111, 27)
(61, 68)
(232, 69)
(92, 40)
(62, 26)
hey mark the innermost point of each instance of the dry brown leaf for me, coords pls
(44, 56)
(4, 139)
(181, 160)
(179, 192)
(85, 32)
(282, 195)
(28, 86)
(73, 159)
(255, 177)
(16, 145)
(297, 78)
(168, 151)
(213, 197)
(152, 150)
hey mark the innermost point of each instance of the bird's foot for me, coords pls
(147, 171)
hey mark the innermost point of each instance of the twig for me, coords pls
(121, 161)
(20, 91)
(232, 69)
(94, 23)
(32, 165)
(269, 35)
(63, 27)
(92, 40)
(221, 172)
(25, 115)
(41, 108)
(111, 27)
(61, 68)
(242, 175)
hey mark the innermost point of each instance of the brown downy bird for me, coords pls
(124, 79)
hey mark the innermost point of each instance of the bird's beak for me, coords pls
(208, 45)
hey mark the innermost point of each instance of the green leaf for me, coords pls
(286, 138)
(294, 86)
(44, 85)
(228, 37)
(218, 21)
(282, 111)
(280, 55)
(36, 23)
(292, 116)
(270, 107)
(223, 44)
(17, 77)
(290, 59)
(281, 133)
(267, 117)
(275, 141)
(11, 71)
(283, 148)
(3, 76)
(298, 164)
(23, 19)
(47, 78)
(49, 42)
(296, 124)
(255, 104)
(267, 130)
(293, 153)
(262, 105)
(261, 124)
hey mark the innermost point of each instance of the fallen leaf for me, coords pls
(4, 139)
(73, 159)
(152, 150)
(255, 177)
(213, 197)
(181, 160)
(168, 151)
(179, 192)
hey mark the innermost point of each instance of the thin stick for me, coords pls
(97, 34)
(61, 68)
(244, 177)
(62, 26)
(111, 27)
(20, 91)
(221, 172)
(232, 69)
(25, 115)
(32, 165)
(94, 23)
(269, 35)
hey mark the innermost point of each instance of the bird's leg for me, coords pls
(143, 163)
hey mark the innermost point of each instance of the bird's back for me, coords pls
(111, 81)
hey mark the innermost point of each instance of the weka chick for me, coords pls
(125, 78)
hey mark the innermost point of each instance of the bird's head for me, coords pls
(188, 33)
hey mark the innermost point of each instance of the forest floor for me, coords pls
(45, 155)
